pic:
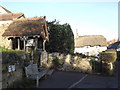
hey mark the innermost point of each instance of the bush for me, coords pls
(57, 63)
(35, 56)
(11, 58)
(108, 57)
(106, 69)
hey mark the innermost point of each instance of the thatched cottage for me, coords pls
(90, 44)
(6, 18)
(22, 30)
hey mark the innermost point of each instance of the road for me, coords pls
(61, 79)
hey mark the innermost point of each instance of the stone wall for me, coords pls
(9, 76)
(72, 63)
(4, 40)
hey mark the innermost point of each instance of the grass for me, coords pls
(11, 57)
(3, 49)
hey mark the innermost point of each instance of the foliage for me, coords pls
(3, 49)
(11, 58)
(57, 63)
(108, 57)
(106, 69)
(36, 56)
(61, 38)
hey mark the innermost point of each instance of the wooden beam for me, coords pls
(18, 43)
(24, 45)
(11, 44)
(36, 43)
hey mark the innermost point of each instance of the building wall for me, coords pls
(90, 51)
(4, 42)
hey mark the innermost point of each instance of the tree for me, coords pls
(61, 38)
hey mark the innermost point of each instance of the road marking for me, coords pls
(77, 82)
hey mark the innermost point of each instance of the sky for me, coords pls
(88, 17)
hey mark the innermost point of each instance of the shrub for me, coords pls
(106, 69)
(108, 56)
(11, 58)
(56, 63)
(35, 56)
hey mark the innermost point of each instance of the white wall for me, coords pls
(87, 50)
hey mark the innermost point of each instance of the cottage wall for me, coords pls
(4, 40)
(90, 51)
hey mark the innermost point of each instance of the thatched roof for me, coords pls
(4, 10)
(10, 16)
(27, 27)
(90, 40)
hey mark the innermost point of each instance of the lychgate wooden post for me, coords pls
(11, 44)
(36, 43)
(24, 45)
(18, 44)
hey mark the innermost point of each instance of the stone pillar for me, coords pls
(11, 44)
(36, 43)
(18, 44)
(44, 45)
(44, 58)
(68, 59)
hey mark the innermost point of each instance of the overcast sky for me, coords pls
(88, 17)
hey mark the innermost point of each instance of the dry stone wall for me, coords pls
(72, 63)
(12, 68)
(10, 78)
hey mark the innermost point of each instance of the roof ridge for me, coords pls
(31, 18)
(5, 9)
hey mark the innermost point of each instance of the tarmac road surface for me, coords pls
(61, 79)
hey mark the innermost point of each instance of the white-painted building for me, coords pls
(90, 45)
